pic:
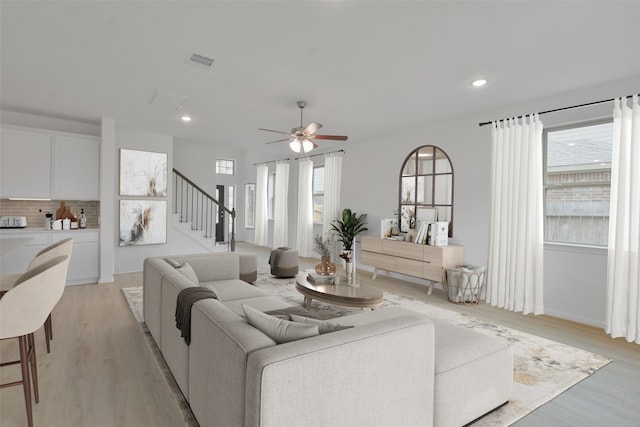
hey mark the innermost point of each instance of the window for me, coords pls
(225, 167)
(318, 193)
(578, 183)
(271, 195)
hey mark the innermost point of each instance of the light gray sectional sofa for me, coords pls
(391, 367)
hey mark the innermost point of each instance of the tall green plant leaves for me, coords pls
(348, 227)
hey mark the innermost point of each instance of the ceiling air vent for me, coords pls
(200, 60)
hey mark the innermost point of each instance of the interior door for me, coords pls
(220, 214)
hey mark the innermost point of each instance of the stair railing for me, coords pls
(196, 206)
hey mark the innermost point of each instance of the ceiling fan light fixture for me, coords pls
(295, 145)
(308, 145)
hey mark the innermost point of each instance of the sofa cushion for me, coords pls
(263, 304)
(172, 262)
(470, 367)
(232, 289)
(184, 268)
(281, 331)
(188, 272)
(323, 326)
(448, 340)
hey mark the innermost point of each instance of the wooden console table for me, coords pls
(422, 261)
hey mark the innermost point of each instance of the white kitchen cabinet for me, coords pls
(49, 165)
(76, 162)
(84, 264)
(25, 163)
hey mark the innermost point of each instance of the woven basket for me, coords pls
(464, 284)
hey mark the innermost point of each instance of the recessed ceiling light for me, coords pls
(479, 82)
(185, 118)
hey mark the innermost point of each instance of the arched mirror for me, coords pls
(426, 188)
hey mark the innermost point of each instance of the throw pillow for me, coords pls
(323, 326)
(281, 331)
(172, 262)
(188, 272)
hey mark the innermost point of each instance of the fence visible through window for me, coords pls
(577, 184)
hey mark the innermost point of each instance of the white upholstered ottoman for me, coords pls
(473, 374)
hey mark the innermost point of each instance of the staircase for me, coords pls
(195, 213)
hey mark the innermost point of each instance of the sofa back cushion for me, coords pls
(213, 266)
(188, 272)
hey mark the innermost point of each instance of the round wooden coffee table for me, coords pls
(363, 296)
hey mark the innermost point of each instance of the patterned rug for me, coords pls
(542, 368)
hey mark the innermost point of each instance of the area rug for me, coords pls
(542, 368)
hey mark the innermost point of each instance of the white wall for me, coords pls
(130, 258)
(575, 279)
(197, 161)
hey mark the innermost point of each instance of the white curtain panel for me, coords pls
(304, 240)
(623, 279)
(281, 214)
(261, 231)
(514, 280)
(332, 183)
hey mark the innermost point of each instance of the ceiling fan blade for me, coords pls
(312, 128)
(332, 137)
(278, 140)
(276, 131)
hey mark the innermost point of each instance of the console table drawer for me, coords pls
(372, 244)
(383, 262)
(432, 272)
(409, 267)
(433, 254)
(402, 249)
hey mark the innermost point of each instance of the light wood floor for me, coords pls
(101, 372)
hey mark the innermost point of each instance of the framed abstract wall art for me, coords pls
(143, 222)
(143, 173)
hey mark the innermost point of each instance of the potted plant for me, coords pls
(347, 227)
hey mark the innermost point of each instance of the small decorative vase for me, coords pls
(325, 267)
(349, 270)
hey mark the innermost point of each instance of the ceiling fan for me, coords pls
(303, 138)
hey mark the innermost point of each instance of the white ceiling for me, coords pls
(364, 67)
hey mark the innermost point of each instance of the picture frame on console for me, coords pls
(427, 214)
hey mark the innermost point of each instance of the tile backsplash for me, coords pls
(34, 210)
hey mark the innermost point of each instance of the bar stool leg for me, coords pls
(26, 383)
(48, 332)
(34, 366)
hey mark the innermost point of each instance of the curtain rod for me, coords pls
(565, 108)
(271, 161)
(320, 154)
